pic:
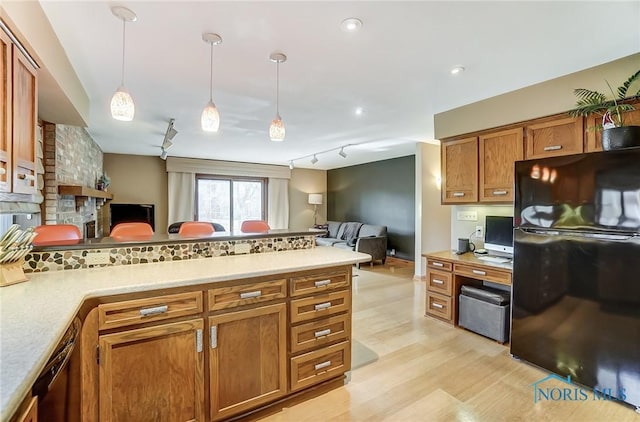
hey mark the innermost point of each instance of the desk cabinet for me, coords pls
(447, 273)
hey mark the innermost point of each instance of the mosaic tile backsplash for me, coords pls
(142, 254)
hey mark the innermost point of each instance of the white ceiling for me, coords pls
(396, 68)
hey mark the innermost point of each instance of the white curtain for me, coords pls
(278, 200)
(181, 196)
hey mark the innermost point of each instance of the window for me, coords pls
(230, 200)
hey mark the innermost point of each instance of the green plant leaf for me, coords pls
(623, 90)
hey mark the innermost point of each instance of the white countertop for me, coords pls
(35, 314)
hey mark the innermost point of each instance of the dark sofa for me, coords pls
(359, 237)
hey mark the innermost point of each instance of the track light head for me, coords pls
(342, 153)
(164, 154)
(169, 135)
(314, 159)
(166, 144)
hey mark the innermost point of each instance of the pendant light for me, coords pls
(210, 119)
(276, 130)
(122, 107)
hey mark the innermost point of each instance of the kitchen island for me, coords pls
(34, 315)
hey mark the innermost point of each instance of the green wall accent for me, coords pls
(380, 193)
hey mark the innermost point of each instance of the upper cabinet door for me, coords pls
(25, 120)
(554, 137)
(460, 171)
(5, 113)
(594, 136)
(498, 153)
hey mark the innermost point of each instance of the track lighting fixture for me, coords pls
(163, 154)
(342, 153)
(314, 159)
(210, 119)
(169, 135)
(122, 107)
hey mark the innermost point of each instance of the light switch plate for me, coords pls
(467, 215)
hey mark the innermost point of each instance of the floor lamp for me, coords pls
(315, 199)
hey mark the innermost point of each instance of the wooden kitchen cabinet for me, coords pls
(18, 119)
(247, 359)
(498, 153)
(594, 136)
(153, 374)
(5, 112)
(555, 137)
(459, 171)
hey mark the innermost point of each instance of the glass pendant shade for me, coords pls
(122, 107)
(276, 130)
(210, 118)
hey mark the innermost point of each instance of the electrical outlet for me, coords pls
(242, 248)
(97, 258)
(479, 232)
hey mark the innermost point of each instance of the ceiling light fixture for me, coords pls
(457, 70)
(314, 159)
(122, 107)
(359, 111)
(169, 135)
(351, 25)
(342, 153)
(210, 119)
(276, 130)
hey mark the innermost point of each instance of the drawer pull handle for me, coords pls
(438, 264)
(321, 306)
(322, 283)
(499, 192)
(437, 305)
(249, 295)
(553, 148)
(322, 333)
(322, 365)
(479, 272)
(154, 311)
(23, 176)
(458, 194)
(436, 281)
(214, 336)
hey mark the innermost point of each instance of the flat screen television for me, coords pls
(133, 213)
(498, 234)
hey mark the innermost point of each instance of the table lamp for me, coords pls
(315, 199)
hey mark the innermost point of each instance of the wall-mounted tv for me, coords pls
(133, 213)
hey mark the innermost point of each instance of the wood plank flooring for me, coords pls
(430, 371)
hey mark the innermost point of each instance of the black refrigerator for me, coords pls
(576, 269)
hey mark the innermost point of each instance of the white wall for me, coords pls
(467, 228)
(302, 183)
(433, 220)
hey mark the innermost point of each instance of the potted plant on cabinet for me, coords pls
(615, 134)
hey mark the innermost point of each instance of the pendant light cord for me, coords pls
(123, 45)
(211, 74)
(278, 88)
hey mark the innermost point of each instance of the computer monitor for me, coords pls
(498, 234)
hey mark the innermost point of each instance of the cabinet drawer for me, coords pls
(320, 365)
(138, 311)
(319, 333)
(320, 306)
(439, 282)
(245, 294)
(439, 264)
(483, 273)
(439, 306)
(497, 194)
(318, 283)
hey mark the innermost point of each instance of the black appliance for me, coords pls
(576, 269)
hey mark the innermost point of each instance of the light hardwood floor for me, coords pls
(430, 371)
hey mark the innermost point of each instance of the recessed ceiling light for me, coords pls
(456, 70)
(351, 25)
(359, 111)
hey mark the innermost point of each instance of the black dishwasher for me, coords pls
(57, 386)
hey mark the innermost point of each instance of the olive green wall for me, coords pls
(380, 193)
